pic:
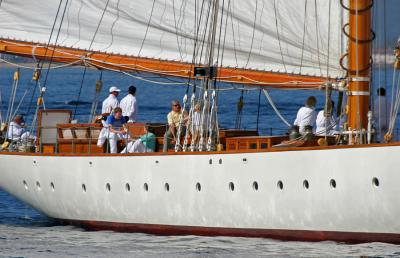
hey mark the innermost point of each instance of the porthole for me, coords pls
(280, 185)
(166, 186)
(157, 161)
(146, 187)
(90, 163)
(332, 183)
(255, 186)
(25, 184)
(52, 186)
(108, 187)
(34, 162)
(306, 184)
(231, 186)
(198, 187)
(127, 187)
(375, 182)
(84, 188)
(38, 185)
(244, 160)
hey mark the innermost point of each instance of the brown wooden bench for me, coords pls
(78, 138)
(253, 142)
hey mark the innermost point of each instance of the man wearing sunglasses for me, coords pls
(174, 118)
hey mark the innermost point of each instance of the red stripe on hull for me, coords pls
(281, 234)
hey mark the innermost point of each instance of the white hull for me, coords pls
(355, 206)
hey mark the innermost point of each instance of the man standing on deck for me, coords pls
(306, 115)
(174, 118)
(381, 113)
(111, 102)
(129, 105)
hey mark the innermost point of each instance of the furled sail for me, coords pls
(254, 38)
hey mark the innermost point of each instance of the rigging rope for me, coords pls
(278, 36)
(39, 65)
(304, 35)
(275, 108)
(328, 104)
(99, 85)
(43, 89)
(85, 69)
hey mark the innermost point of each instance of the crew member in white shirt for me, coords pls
(16, 130)
(129, 105)
(381, 113)
(306, 115)
(111, 102)
(326, 123)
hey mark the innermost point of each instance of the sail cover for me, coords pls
(286, 36)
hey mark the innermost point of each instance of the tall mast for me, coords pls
(359, 63)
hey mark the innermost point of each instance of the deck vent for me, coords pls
(332, 183)
(231, 186)
(52, 186)
(38, 185)
(220, 161)
(210, 161)
(280, 185)
(146, 187)
(244, 160)
(127, 187)
(255, 186)
(84, 188)
(108, 187)
(306, 184)
(166, 186)
(198, 187)
(25, 184)
(375, 182)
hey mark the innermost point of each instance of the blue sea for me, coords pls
(26, 233)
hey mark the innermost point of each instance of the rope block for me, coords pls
(39, 101)
(36, 75)
(16, 76)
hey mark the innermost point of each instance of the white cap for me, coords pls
(113, 88)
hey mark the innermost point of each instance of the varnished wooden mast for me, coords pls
(360, 37)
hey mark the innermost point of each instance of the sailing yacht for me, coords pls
(226, 182)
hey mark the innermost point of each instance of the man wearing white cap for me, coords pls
(111, 101)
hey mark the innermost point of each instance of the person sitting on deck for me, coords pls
(16, 130)
(306, 115)
(146, 143)
(326, 123)
(174, 119)
(114, 130)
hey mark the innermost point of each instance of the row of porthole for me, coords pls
(306, 185)
(210, 161)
